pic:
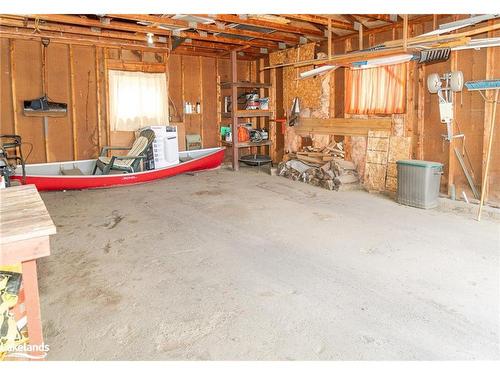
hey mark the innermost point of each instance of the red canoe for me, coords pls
(48, 176)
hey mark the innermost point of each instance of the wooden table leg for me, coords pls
(32, 304)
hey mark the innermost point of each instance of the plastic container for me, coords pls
(418, 183)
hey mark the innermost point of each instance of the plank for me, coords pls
(23, 215)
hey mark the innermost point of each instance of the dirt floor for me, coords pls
(224, 265)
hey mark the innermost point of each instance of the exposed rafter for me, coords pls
(379, 17)
(158, 20)
(288, 28)
(118, 25)
(320, 20)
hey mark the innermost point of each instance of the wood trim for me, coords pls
(73, 107)
(132, 66)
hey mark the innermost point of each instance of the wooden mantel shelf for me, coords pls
(251, 85)
(249, 113)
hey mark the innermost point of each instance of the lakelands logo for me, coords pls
(27, 350)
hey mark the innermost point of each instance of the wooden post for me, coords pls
(234, 109)
(106, 93)
(200, 117)
(405, 32)
(273, 130)
(360, 36)
(489, 121)
(488, 155)
(32, 304)
(45, 119)
(452, 161)
(329, 38)
(73, 108)
(98, 96)
(13, 84)
(420, 111)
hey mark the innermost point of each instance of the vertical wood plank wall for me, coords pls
(422, 119)
(72, 73)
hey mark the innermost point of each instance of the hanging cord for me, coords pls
(36, 26)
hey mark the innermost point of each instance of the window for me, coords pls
(379, 90)
(137, 100)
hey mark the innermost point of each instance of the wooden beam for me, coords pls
(377, 17)
(342, 126)
(329, 37)
(158, 20)
(73, 107)
(234, 111)
(421, 111)
(45, 119)
(67, 38)
(375, 30)
(269, 25)
(73, 20)
(360, 37)
(405, 32)
(321, 21)
(12, 64)
(80, 21)
(106, 97)
(391, 47)
(98, 95)
(79, 30)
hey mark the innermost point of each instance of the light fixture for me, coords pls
(149, 38)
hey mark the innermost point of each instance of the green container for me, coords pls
(418, 183)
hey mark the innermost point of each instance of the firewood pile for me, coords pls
(323, 167)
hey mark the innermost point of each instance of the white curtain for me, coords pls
(137, 100)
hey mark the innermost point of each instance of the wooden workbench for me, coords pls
(25, 227)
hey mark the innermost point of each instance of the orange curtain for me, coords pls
(380, 90)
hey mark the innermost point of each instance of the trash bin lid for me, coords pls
(421, 163)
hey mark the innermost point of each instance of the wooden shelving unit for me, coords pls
(249, 113)
(234, 115)
(248, 144)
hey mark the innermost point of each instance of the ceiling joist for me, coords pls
(288, 28)
(320, 20)
(212, 28)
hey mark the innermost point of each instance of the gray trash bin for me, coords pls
(418, 183)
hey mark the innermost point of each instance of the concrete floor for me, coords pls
(247, 266)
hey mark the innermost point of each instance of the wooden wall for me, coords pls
(194, 79)
(422, 120)
(75, 75)
(70, 78)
